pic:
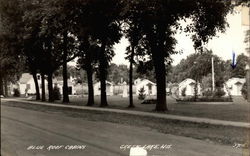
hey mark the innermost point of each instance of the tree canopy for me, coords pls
(50, 33)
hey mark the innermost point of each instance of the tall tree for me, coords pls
(87, 61)
(132, 32)
(102, 18)
(65, 72)
(10, 47)
(58, 45)
(33, 45)
(87, 44)
(131, 60)
(159, 21)
(239, 70)
(117, 73)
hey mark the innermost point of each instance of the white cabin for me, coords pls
(26, 83)
(189, 85)
(149, 87)
(109, 88)
(234, 86)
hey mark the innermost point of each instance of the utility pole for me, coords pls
(212, 73)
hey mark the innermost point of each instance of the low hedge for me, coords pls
(206, 99)
(149, 101)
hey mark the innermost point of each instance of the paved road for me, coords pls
(23, 128)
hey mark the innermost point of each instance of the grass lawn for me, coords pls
(236, 111)
(239, 110)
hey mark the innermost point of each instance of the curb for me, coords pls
(146, 114)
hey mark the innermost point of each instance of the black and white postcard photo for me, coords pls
(125, 77)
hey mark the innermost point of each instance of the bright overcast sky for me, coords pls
(222, 45)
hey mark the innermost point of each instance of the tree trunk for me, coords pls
(158, 57)
(160, 74)
(6, 94)
(88, 67)
(36, 86)
(50, 87)
(65, 74)
(43, 87)
(1, 84)
(90, 86)
(131, 104)
(103, 74)
(65, 83)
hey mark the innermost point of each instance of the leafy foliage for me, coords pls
(244, 90)
(117, 73)
(207, 93)
(219, 92)
(198, 66)
(45, 31)
(56, 93)
(16, 92)
(240, 70)
(206, 83)
(142, 94)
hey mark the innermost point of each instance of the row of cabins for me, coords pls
(233, 87)
(122, 88)
(26, 84)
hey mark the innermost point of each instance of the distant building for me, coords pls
(125, 90)
(59, 82)
(109, 88)
(136, 81)
(234, 86)
(119, 89)
(174, 89)
(81, 89)
(149, 87)
(26, 84)
(188, 85)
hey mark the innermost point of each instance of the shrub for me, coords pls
(79, 91)
(56, 93)
(142, 94)
(183, 91)
(206, 99)
(149, 101)
(244, 90)
(207, 93)
(16, 92)
(219, 92)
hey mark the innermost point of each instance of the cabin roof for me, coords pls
(25, 78)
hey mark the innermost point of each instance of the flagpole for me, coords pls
(213, 74)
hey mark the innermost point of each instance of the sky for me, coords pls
(222, 45)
